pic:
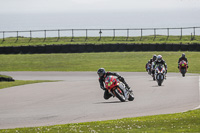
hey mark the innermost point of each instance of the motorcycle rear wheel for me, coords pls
(119, 95)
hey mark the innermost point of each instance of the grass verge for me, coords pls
(179, 122)
(111, 61)
(6, 78)
(25, 41)
(20, 82)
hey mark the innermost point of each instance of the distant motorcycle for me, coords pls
(183, 67)
(160, 74)
(152, 69)
(148, 68)
(118, 89)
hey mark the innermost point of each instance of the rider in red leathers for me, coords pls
(102, 75)
(183, 58)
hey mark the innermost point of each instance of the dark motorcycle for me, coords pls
(148, 68)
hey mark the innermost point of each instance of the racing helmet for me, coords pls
(154, 57)
(101, 72)
(183, 55)
(159, 58)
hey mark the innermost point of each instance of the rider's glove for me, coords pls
(121, 78)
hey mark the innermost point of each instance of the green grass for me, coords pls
(20, 82)
(5, 76)
(179, 122)
(115, 61)
(111, 61)
(24, 41)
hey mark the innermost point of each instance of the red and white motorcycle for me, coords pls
(160, 74)
(118, 89)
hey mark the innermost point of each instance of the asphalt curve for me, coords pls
(77, 97)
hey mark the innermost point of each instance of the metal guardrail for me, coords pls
(99, 33)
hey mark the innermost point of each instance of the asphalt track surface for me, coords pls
(78, 98)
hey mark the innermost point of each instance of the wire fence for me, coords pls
(100, 33)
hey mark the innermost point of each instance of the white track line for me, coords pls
(199, 95)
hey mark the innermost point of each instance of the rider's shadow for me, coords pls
(108, 102)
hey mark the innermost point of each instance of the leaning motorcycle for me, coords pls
(160, 74)
(118, 89)
(183, 67)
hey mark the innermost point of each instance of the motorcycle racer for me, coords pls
(151, 61)
(146, 66)
(183, 58)
(158, 61)
(102, 75)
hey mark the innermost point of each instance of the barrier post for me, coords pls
(3, 36)
(72, 39)
(86, 35)
(58, 35)
(100, 32)
(194, 33)
(45, 35)
(127, 34)
(181, 33)
(141, 35)
(30, 36)
(154, 34)
(113, 34)
(167, 33)
(17, 37)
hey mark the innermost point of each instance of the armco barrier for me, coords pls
(168, 47)
(198, 48)
(97, 48)
(192, 47)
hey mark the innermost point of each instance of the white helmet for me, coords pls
(159, 58)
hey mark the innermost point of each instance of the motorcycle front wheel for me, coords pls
(131, 96)
(183, 72)
(120, 95)
(160, 79)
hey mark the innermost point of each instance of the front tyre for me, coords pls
(131, 96)
(120, 95)
(183, 72)
(159, 83)
(160, 79)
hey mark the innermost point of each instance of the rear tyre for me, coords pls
(120, 95)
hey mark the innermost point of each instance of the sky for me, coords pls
(54, 14)
(54, 6)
